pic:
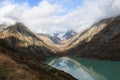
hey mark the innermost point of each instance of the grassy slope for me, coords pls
(17, 66)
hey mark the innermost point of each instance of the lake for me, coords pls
(87, 69)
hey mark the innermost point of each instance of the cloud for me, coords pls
(50, 16)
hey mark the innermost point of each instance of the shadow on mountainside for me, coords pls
(104, 45)
(29, 65)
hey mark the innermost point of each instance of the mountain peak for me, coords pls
(19, 27)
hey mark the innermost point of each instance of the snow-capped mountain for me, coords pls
(69, 34)
(59, 36)
(53, 37)
(65, 35)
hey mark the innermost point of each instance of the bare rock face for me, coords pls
(19, 38)
(101, 41)
(21, 52)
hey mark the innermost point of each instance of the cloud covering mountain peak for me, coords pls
(51, 16)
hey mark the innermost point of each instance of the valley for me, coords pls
(26, 50)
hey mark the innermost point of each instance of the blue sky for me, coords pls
(66, 4)
(30, 2)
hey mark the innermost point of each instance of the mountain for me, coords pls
(22, 66)
(65, 35)
(22, 51)
(53, 37)
(101, 41)
(60, 36)
(69, 34)
(19, 38)
(21, 55)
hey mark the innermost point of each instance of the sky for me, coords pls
(30, 2)
(50, 16)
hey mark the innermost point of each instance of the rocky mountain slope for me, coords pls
(17, 66)
(19, 38)
(69, 34)
(55, 39)
(101, 41)
(21, 52)
(60, 36)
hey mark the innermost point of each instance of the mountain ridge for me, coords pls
(26, 50)
(26, 64)
(78, 44)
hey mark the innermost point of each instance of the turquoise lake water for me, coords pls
(87, 69)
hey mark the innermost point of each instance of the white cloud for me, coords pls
(49, 17)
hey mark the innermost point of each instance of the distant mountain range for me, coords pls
(57, 37)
